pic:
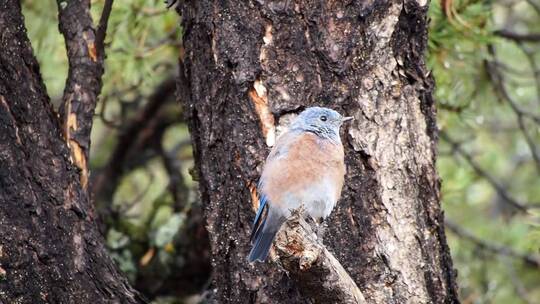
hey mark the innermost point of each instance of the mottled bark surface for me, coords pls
(246, 60)
(50, 249)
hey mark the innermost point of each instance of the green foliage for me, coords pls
(48, 44)
(456, 51)
(485, 127)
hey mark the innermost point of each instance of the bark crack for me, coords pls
(8, 110)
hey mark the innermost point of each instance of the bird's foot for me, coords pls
(321, 229)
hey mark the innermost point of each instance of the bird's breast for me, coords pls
(311, 172)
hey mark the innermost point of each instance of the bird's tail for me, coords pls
(266, 225)
(263, 242)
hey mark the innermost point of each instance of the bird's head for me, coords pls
(322, 121)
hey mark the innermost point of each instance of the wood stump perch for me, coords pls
(317, 272)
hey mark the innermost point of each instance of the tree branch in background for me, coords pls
(139, 141)
(138, 133)
(531, 260)
(457, 148)
(518, 37)
(535, 69)
(102, 27)
(317, 272)
(86, 55)
(499, 84)
(534, 5)
(177, 185)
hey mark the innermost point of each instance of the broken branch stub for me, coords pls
(317, 272)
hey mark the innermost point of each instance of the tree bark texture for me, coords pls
(86, 55)
(251, 66)
(50, 248)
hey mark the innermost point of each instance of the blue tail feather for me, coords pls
(260, 218)
(262, 246)
(265, 227)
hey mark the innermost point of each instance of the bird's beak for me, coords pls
(344, 119)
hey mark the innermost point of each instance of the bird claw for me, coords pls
(321, 229)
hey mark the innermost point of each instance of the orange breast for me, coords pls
(299, 160)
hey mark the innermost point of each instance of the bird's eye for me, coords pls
(323, 118)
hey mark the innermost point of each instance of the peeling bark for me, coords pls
(86, 57)
(362, 58)
(50, 248)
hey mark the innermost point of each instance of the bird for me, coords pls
(306, 168)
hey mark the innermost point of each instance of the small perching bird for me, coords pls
(305, 167)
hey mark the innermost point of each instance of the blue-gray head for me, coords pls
(321, 121)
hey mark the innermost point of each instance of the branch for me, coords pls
(102, 27)
(177, 185)
(531, 56)
(492, 247)
(457, 148)
(85, 53)
(138, 132)
(534, 5)
(518, 37)
(317, 272)
(498, 82)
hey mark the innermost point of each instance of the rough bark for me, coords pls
(86, 56)
(50, 248)
(251, 65)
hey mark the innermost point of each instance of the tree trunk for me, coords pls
(50, 248)
(252, 65)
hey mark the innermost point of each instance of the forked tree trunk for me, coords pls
(50, 248)
(250, 65)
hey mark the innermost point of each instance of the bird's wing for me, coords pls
(277, 155)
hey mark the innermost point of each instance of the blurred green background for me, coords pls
(485, 57)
